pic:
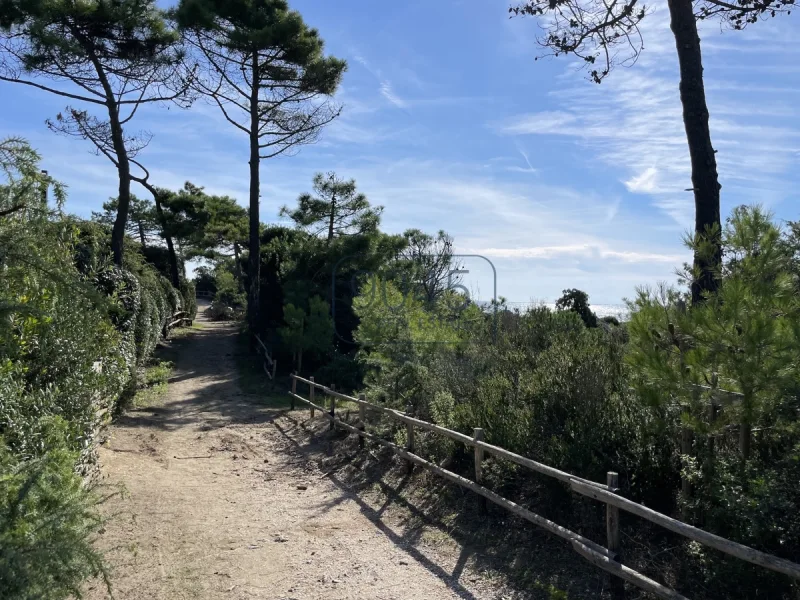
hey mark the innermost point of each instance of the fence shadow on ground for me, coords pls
(535, 564)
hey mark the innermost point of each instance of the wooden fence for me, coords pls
(606, 558)
(270, 365)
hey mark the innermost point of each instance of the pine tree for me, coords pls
(604, 34)
(336, 210)
(113, 56)
(265, 70)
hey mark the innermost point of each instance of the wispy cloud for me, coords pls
(388, 93)
(595, 251)
(633, 122)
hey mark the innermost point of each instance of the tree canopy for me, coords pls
(337, 209)
(266, 71)
(112, 56)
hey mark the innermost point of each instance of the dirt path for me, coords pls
(222, 503)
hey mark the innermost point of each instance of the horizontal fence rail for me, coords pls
(178, 319)
(603, 558)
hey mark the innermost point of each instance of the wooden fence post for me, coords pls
(612, 533)
(312, 389)
(362, 420)
(333, 407)
(410, 444)
(294, 387)
(478, 436)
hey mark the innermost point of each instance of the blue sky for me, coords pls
(450, 124)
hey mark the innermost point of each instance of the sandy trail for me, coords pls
(215, 506)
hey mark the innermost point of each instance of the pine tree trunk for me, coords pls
(299, 361)
(173, 258)
(174, 274)
(237, 265)
(705, 180)
(124, 172)
(330, 222)
(254, 263)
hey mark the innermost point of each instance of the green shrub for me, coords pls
(52, 341)
(48, 521)
(189, 297)
(229, 293)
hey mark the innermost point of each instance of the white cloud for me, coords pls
(633, 121)
(593, 251)
(388, 93)
(645, 183)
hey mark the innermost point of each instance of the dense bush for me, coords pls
(74, 331)
(744, 459)
(589, 400)
(188, 297)
(48, 521)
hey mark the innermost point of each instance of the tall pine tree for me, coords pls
(266, 71)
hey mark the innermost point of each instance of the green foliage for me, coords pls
(188, 298)
(578, 302)
(207, 226)
(73, 332)
(743, 338)
(337, 209)
(310, 331)
(48, 521)
(296, 266)
(293, 334)
(26, 185)
(229, 291)
(142, 223)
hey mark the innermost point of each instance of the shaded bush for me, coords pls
(48, 521)
(189, 298)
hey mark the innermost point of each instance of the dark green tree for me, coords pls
(266, 71)
(142, 219)
(604, 34)
(337, 209)
(431, 263)
(225, 231)
(110, 56)
(307, 331)
(578, 302)
(208, 226)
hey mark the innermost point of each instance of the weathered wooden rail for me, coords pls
(606, 558)
(270, 365)
(177, 320)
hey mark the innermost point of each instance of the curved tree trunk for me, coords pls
(174, 274)
(705, 180)
(124, 171)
